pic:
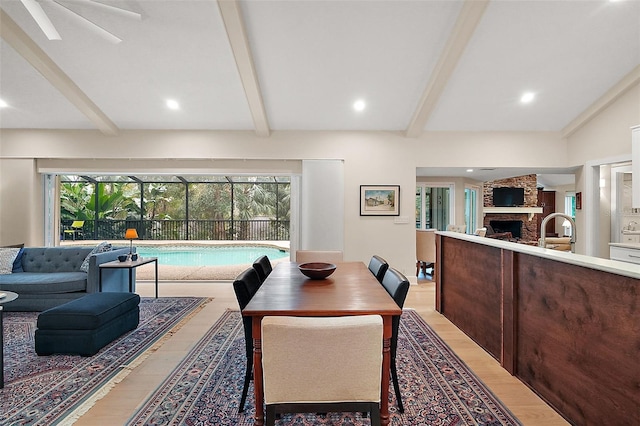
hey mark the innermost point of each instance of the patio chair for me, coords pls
(245, 286)
(74, 230)
(322, 364)
(397, 286)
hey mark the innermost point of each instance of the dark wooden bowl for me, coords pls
(317, 270)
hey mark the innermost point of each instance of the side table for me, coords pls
(5, 296)
(130, 265)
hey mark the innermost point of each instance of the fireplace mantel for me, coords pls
(530, 211)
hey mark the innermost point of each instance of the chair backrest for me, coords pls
(481, 232)
(298, 367)
(245, 286)
(397, 285)
(77, 224)
(331, 256)
(378, 266)
(263, 267)
(426, 245)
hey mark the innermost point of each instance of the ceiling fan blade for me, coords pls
(89, 24)
(41, 18)
(119, 10)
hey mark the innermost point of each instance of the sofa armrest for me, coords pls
(93, 277)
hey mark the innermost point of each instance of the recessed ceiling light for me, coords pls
(527, 97)
(173, 104)
(359, 105)
(469, 170)
(3, 104)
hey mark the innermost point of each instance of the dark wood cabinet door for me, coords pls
(547, 200)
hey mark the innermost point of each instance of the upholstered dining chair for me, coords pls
(245, 286)
(425, 250)
(263, 267)
(322, 364)
(378, 266)
(330, 256)
(397, 286)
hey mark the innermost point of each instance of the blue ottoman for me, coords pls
(85, 325)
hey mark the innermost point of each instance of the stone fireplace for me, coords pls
(519, 221)
(513, 226)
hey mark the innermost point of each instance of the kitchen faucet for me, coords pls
(543, 225)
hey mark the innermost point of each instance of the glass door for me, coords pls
(433, 206)
(471, 209)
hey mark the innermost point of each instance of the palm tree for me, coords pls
(74, 200)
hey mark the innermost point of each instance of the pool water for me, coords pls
(210, 255)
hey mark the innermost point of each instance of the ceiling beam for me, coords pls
(468, 19)
(620, 88)
(234, 25)
(29, 50)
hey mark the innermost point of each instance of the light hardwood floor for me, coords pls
(121, 402)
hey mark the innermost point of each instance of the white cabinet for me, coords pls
(625, 254)
(628, 238)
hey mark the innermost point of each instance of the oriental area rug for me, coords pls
(45, 390)
(437, 387)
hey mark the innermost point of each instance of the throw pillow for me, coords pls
(17, 264)
(7, 256)
(100, 248)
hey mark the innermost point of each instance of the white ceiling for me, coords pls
(299, 65)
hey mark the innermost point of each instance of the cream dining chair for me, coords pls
(425, 250)
(322, 364)
(330, 256)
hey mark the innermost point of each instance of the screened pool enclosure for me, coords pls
(163, 207)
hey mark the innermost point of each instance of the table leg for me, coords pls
(100, 280)
(130, 280)
(257, 370)
(386, 368)
(1, 351)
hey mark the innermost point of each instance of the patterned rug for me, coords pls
(57, 389)
(437, 387)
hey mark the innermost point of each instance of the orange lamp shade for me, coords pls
(131, 234)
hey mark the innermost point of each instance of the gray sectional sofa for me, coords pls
(51, 276)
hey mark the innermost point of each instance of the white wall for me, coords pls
(606, 136)
(322, 209)
(21, 203)
(370, 158)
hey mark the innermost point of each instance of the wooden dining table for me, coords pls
(351, 290)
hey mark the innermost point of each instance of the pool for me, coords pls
(209, 255)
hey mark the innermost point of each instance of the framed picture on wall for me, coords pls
(578, 200)
(379, 200)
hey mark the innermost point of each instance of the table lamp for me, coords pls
(131, 234)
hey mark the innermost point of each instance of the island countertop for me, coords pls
(613, 266)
